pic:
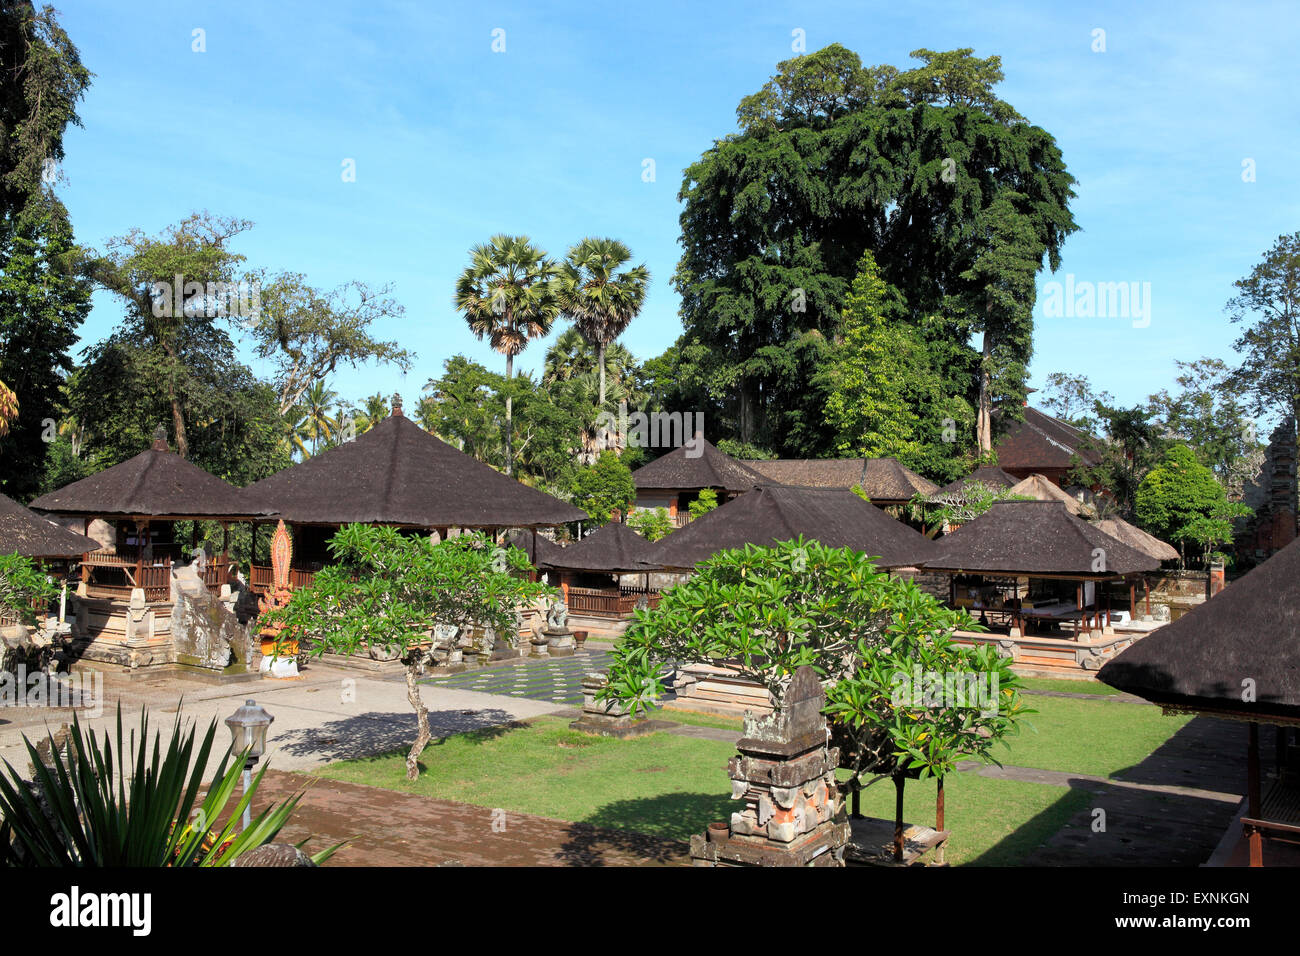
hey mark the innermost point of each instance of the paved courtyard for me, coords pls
(555, 680)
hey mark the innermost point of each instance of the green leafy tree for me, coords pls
(959, 199)
(705, 501)
(42, 79)
(1180, 500)
(142, 270)
(885, 400)
(945, 508)
(651, 523)
(1132, 445)
(1071, 399)
(1267, 303)
(23, 586)
(1209, 414)
(44, 298)
(308, 333)
(600, 299)
(509, 295)
(765, 612)
(411, 598)
(603, 488)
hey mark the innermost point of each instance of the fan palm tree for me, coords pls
(508, 295)
(600, 300)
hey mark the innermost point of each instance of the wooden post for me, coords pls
(899, 782)
(1146, 590)
(938, 819)
(1132, 601)
(1252, 796)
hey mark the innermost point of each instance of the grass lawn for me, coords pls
(1087, 736)
(660, 784)
(671, 786)
(1065, 685)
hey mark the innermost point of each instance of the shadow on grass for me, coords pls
(377, 733)
(655, 829)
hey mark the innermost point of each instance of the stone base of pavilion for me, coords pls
(708, 689)
(1057, 656)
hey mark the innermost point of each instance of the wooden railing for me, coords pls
(262, 579)
(113, 575)
(216, 573)
(681, 519)
(608, 602)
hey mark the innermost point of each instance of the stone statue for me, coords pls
(557, 615)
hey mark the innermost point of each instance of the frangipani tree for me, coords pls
(956, 507)
(8, 408)
(902, 696)
(22, 585)
(410, 597)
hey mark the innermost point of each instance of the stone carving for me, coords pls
(285, 663)
(557, 615)
(785, 774)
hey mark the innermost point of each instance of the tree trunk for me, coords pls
(510, 372)
(984, 420)
(600, 358)
(423, 734)
(178, 421)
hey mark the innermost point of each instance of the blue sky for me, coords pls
(453, 142)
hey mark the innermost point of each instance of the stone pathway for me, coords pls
(388, 828)
(555, 680)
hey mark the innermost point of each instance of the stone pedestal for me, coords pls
(539, 643)
(785, 774)
(559, 641)
(610, 718)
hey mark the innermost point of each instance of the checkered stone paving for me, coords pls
(557, 680)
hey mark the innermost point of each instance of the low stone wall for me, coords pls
(934, 583)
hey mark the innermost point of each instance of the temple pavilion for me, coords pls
(24, 532)
(1237, 657)
(1027, 566)
(395, 474)
(129, 589)
(604, 577)
(674, 480)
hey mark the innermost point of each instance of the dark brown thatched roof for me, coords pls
(1034, 538)
(836, 518)
(154, 484)
(883, 479)
(399, 474)
(694, 466)
(1043, 442)
(23, 531)
(613, 548)
(1250, 631)
(988, 475)
(538, 547)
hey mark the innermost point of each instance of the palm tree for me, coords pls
(600, 300)
(508, 295)
(374, 411)
(319, 425)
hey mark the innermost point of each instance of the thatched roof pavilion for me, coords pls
(1249, 630)
(155, 484)
(24, 532)
(538, 547)
(772, 513)
(1035, 539)
(398, 474)
(884, 480)
(695, 466)
(1042, 539)
(1247, 638)
(613, 549)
